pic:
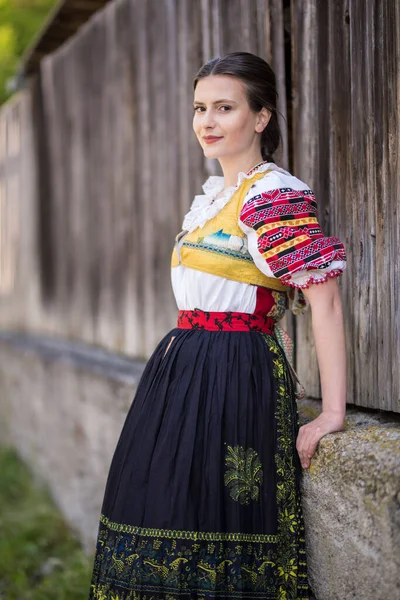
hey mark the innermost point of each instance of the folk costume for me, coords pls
(203, 495)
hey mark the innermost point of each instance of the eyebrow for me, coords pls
(216, 102)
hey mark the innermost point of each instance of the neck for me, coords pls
(231, 169)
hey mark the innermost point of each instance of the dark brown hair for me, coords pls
(260, 85)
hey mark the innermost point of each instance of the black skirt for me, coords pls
(203, 494)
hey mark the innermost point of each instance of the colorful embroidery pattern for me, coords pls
(244, 474)
(290, 238)
(222, 243)
(278, 310)
(224, 321)
(134, 563)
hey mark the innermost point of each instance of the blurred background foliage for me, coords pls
(20, 21)
(40, 559)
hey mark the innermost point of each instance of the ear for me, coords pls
(263, 119)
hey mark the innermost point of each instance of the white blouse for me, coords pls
(278, 197)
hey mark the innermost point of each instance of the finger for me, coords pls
(300, 444)
(311, 446)
(303, 455)
(301, 440)
(306, 444)
(307, 448)
(300, 436)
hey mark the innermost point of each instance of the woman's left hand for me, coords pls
(310, 434)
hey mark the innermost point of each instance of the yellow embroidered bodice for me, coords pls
(220, 246)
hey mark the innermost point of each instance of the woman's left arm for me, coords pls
(329, 338)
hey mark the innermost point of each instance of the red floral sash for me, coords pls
(224, 321)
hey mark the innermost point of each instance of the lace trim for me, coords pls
(204, 208)
(309, 279)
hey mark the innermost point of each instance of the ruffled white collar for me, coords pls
(203, 208)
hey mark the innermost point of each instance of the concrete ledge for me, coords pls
(63, 404)
(351, 502)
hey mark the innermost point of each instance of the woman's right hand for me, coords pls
(310, 434)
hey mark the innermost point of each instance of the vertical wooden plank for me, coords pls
(111, 271)
(248, 41)
(98, 188)
(206, 13)
(211, 166)
(392, 56)
(342, 200)
(144, 166)
(75, 315)
(191, 156)
(278, 65)
(218, 22)
(323, 61)
(264, 29)
(28, 272)
(104, 135)
(88, 79)
(44, 205)
(119, 158)
(51, 113)
(364, 299)
(386, 113)
(157, 203)
(238, 19)
(125, 158)
(63, 125)
(167, 183)
(381, 205)
(305, 157)
(83, 249)
(232, 27)
(18, 271)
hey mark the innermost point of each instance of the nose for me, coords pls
(208, 119)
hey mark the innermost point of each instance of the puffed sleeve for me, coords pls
(280, 218)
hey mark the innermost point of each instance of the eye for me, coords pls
(222, 106)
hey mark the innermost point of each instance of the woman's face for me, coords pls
(221, 110)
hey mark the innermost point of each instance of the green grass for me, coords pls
(39, 557)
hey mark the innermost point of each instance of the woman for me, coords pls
(203, 494)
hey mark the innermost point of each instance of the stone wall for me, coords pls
(351, 501)
(62, 405)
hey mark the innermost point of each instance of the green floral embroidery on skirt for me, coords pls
(244, 474)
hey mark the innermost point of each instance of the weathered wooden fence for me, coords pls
(346, 143)
(116, 165)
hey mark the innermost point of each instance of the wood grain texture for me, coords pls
(345, 67)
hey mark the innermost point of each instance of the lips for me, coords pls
(211, 138)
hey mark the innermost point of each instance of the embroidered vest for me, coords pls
(220, 246)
